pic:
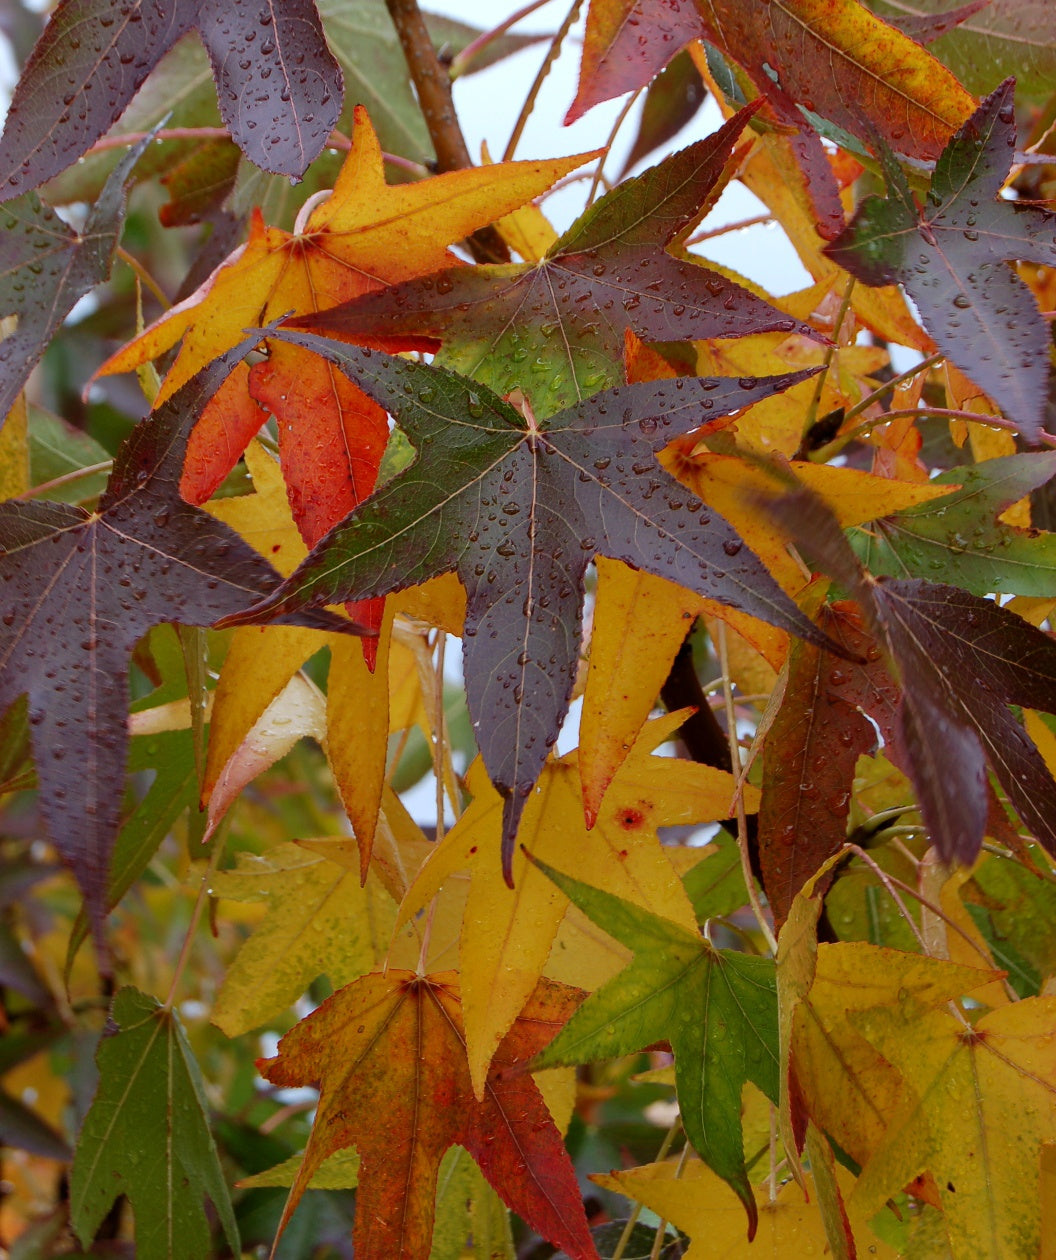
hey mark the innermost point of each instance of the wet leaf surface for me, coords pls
(80, 589)
(555, 329)
(952, 255)
(46, 268)
(518, 511)
(278, 85)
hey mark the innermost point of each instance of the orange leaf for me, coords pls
(388, 1053)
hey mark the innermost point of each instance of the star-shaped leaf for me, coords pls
(390, 1048)
(46, 268)
(507, 935)
(559, 324)
(518, 510)
(278, 85)
(980, 1102)
(952, 255)
(147, 1136)
(81, 588)
(367, 233)
(717, 1008)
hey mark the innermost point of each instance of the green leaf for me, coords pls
(717, 1008)
(715, 885)
(147, 1136)
(959, 538)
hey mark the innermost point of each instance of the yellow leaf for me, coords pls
(850, 1089)
(702, 1205)
(640, 622)
(320, 921)
(507, 933)
(366, 234)
(977, 1106)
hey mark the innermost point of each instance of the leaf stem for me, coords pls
(632, 1220)
(553, 52)
(742, 819)
(145, 277)
(739, 226)
(826, 452)
(599, 170)
(192, 927)
(830, 354)
(78, 474)
(924, 366)
(461, 62)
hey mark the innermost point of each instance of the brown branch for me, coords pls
(432, 82)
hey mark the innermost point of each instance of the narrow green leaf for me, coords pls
(147, 1136)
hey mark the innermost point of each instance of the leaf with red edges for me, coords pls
(518, 509)
(388, 1053)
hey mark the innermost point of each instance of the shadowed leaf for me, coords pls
(518, 511)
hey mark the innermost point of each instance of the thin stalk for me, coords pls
(711, 233)
(461, 62)
(924, 366)
(632, 1220)
(78, 474)
(596, 182)
(192, 927)
(553, 53)
(145, 278)
(830, 354)
(826, 452)
(742, 818)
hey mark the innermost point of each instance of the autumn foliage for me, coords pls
(710, 908)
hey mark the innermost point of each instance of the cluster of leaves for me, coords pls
(387, 407)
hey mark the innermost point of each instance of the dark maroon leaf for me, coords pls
(626, 44)
(952, 257)
(555, 330)
(518, 510)
(808, 770)
(279, 86)
(81, 587)
(962, 660)
(46, 268)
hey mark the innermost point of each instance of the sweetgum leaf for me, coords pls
(952, 257)
(46, 268)
(388, 1054)
(626, 43)
(147, 1136)
(560, 324)
(959, 536)
(808, 770)
(278, 85)
(962, 660)
(82, 587)
(518, 511)
(717, 1008)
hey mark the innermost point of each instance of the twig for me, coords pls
(621, 117)
(433, 86)
(77, 474)
(145, 278)
(830, 354)
(196, 915)
(740, 225)
(461, 62)
(529, 102)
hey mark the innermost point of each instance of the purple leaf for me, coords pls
(80, 588)
(518, 510)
